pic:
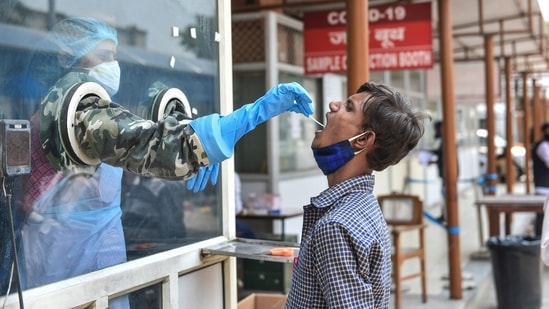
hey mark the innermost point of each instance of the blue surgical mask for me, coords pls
(331, 158)
(107, 75)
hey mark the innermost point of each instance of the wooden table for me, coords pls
(508, 204)
(271, 217)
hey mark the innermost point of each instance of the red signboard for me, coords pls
(400, 39)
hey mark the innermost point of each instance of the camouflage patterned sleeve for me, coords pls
(110, 133)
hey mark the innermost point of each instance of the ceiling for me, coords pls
(517, 27)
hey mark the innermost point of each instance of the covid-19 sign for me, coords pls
(400, 38)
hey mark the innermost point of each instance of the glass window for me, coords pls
(416, 81)
(397, 79)
(377, 76)
(251, 150)
(296, 131)
(68, 226)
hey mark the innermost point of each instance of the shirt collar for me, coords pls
(363, 183)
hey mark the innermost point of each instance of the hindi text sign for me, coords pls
(400, 39)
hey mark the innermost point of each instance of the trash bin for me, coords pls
(517, 271)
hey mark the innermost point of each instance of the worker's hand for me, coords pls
(219, 134)
(290, 97)
(199, 181)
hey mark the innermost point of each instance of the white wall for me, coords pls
(193, 292)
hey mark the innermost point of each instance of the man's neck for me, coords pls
(353, 168)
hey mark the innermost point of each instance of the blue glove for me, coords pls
(198, 181)
(219, 134)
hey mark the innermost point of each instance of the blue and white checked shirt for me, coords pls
(345, 255)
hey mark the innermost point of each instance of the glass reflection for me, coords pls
(73, 223)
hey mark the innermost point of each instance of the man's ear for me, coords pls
(366, 141)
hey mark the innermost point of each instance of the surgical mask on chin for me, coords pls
(331, 158)
(107, 75)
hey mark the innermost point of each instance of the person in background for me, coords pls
(345, 252)
(439, 152)
(72, 201)
(540, 167)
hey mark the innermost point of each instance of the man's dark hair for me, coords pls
(398, 129)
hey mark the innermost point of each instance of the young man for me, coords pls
(345, 255)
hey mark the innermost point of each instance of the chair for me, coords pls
(404, 213)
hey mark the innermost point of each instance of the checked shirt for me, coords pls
(345, 255)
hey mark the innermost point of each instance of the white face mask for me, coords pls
(107, 75)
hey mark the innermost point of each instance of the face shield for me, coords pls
(76, 37)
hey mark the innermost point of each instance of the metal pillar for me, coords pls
(449, 144)
(490, 116)
(510, 120)
(358, 68)
(536, 111)
(527, 132)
